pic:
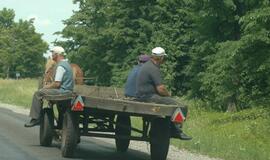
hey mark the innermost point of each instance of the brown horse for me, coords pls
(50, 69)
(77, 74)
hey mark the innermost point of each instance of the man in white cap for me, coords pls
(63, 84)
(150, 88)
(149, 80)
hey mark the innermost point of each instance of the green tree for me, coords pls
(217, 48)
(6, 18)
(21, 48)
(106, 35)
(29, 49)
(229, 77)
(86, 42)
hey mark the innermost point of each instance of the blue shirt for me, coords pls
(67, 80)
(130, 87)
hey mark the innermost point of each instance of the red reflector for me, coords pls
(178, 116)
(78, 104)
(77, 107)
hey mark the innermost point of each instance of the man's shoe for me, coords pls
(181, 135)
(32, 123)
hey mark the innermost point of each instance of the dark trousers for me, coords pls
(37, 102)
(166, 100)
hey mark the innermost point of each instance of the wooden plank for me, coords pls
(110, 98)
(98, 91)
(130, 106)
(59, 97)
(113, 99)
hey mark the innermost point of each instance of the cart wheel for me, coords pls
(46, 127)
(159, 139)
(122, 128)
(69, 133)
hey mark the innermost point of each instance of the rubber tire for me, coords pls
(46, 127)
(159, 138)
(69, 133)
(122, 144)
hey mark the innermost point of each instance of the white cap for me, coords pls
(158, 51)
(58, 50)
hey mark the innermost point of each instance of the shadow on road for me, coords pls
(95, 149)
(90, 154)
(17, 141)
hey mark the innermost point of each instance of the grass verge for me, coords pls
(243, 135)
(18, 92)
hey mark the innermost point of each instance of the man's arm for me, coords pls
(53, 85)
(161, 89)
(58, 78)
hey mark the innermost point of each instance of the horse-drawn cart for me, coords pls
(105, 112)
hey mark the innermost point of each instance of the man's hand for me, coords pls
(162, 90)
(53, 85)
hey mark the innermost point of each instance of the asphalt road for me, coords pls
(19, 143)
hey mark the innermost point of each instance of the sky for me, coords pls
(48, 14)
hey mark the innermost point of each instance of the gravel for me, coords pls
(174, 153)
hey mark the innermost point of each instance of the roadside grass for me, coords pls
(242, 135)
(18, 92)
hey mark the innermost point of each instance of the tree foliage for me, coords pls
(21, 48)
(218, 49)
